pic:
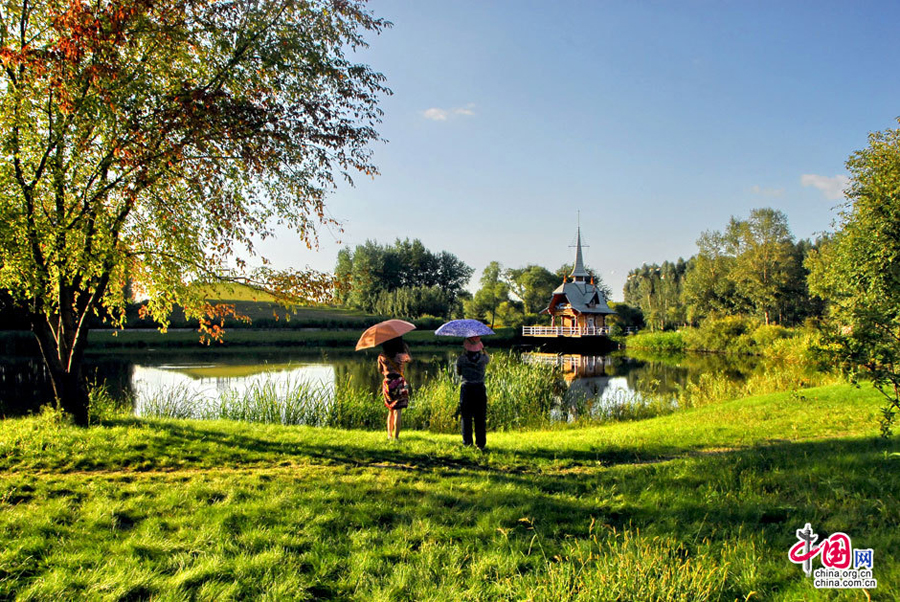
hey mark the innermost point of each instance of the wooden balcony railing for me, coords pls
(565, 331)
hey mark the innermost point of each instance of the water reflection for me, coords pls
(606, 380)
(206, 383)
(595, 382)
(25, 382)
(600, 382)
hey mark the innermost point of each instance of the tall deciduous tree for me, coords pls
(532, 284)
(754, 268)
(157, 139)
(858, 271)
(762, 246)
(494, 291)
(657, 291)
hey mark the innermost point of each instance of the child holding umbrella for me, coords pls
(472, 393)
(470, 366)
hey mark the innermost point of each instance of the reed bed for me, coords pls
(521, 395)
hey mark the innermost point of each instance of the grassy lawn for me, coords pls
(697, 505)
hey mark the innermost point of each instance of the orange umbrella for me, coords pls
(383, 331)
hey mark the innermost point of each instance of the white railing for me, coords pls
(571, 363)
(564, 331)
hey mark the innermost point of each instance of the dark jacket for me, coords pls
(471, 365)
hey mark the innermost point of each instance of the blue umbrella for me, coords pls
(463, 328)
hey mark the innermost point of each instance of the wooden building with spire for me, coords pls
(577, 307)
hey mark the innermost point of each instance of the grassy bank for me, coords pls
(733, 335)
(697, 505)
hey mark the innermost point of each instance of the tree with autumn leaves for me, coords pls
(155, 141)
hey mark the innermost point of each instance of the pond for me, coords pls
(207, 374)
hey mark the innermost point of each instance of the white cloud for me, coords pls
(832, 188)
(771, 192)
(438, 114)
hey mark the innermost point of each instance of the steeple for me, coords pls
(579, 274)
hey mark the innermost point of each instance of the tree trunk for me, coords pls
(64, 366)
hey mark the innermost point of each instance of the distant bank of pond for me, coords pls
(207, 373)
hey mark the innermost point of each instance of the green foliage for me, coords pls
(657, 292)
(401, 280)
(662, 342)
(417, 301)
(494, 291)
(772, 376)
(762, 246)
(153, 144)
(626, 319)
(858, 272)
(103, 406)
(728, 334)
(753, 269)
(533, 284)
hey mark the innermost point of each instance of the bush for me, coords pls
(766, 334)
(729, 334)
(662, 342)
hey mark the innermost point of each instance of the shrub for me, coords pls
(663, 342)
(729, 334)
(766, 334)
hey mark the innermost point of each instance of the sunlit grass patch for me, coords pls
(695, 505)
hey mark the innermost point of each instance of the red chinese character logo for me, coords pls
(836, 551)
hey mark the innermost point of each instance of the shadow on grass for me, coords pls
(402, 503)
(760, 487)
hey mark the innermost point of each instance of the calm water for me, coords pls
(208, 373)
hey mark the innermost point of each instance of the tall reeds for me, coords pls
(521, 395)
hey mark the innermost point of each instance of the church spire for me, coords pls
(579, 274)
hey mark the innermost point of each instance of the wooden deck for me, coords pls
(564, 331)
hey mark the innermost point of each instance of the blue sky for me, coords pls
(655, 120)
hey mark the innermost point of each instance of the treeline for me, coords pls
(754, 268)
(516, 296)
(404, 280)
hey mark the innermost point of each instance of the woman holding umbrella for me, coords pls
(393, 357)
(470, 366)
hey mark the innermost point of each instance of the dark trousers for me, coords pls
(473, 412)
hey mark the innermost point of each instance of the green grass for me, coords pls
(697, 505)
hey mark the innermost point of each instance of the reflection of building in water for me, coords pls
(591, 389)
(573, 366)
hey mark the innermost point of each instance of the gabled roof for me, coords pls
(584, 298)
